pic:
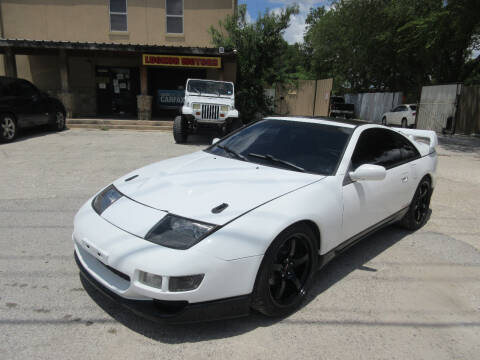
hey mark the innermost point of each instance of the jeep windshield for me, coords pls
(290, 145)
(205, 87)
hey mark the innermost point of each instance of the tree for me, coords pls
(394, 45)
(261, 53)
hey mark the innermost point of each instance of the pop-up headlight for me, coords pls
(106, 198)
(178, 233)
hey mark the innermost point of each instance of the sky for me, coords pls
(297, 24)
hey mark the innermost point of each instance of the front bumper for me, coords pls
(115, 258)
(175, 312)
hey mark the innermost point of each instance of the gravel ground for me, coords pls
(396, 295)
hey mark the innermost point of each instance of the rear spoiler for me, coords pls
(421, 137)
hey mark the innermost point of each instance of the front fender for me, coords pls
(232, 113)
(187, 110)
(252, 233)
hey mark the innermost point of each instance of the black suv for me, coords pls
(23, 105)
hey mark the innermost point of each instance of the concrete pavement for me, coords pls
(396, 295)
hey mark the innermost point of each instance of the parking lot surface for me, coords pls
(396, 295)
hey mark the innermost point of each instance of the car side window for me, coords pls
(25, 89)
(377, 147)
(408, 151)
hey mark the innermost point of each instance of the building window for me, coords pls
(174, 16)
(118, 15)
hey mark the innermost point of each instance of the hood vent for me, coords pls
(219, 208)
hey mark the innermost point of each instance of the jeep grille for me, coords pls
(210, 111)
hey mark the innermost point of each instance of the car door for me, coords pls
(403, 113)
(392, 116)
(368, 203)
(34, 102)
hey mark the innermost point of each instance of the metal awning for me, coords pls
(26, 46)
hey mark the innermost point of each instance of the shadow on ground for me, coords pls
(351, 260)
(460, 143)
(31, 133)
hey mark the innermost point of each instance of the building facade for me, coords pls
(119, 58)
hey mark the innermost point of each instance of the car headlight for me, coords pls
(178, 233)
(196, 106)
(106, 198)
(224, 108)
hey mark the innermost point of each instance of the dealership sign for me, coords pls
(182, 61)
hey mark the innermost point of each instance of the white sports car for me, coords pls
(245, 223)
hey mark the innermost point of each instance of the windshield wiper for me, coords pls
(233, 152)
(279, 161)
(196, 90)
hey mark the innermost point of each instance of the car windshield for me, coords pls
(210, 87)
(292, 145)
(413, 107)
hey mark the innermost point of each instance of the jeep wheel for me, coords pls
(235, 124)
(180, 130)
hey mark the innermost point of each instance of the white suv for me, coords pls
(208, 103)
(403, 115)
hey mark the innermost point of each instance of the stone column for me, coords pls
(65, 96)
(144, 101)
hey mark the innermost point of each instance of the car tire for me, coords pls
(8, 128)
(404, 123)
(384, 121)
(417, 214)
(180, 130)
(235, 124)
(286, 272)
(58, 123)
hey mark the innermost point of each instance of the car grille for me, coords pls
(210, 111)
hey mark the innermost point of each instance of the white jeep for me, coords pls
(207, 104)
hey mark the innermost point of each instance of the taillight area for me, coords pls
(414, 113)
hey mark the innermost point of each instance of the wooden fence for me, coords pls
(468, 112)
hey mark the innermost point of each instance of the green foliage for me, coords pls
(392, 44)
(262, 55)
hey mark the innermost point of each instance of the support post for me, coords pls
(10, 63)
(65, 95)
(144, 80)
(144, 101)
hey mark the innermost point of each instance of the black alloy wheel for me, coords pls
(417, 214)
(286, 273)
(290, 270)
(422, 202)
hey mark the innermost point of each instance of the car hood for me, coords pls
(205, 99)
(192, 185)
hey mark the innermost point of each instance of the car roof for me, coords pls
(348, 123)
(218, 81)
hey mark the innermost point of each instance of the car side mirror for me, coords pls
(368, 172)
(215, 140)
